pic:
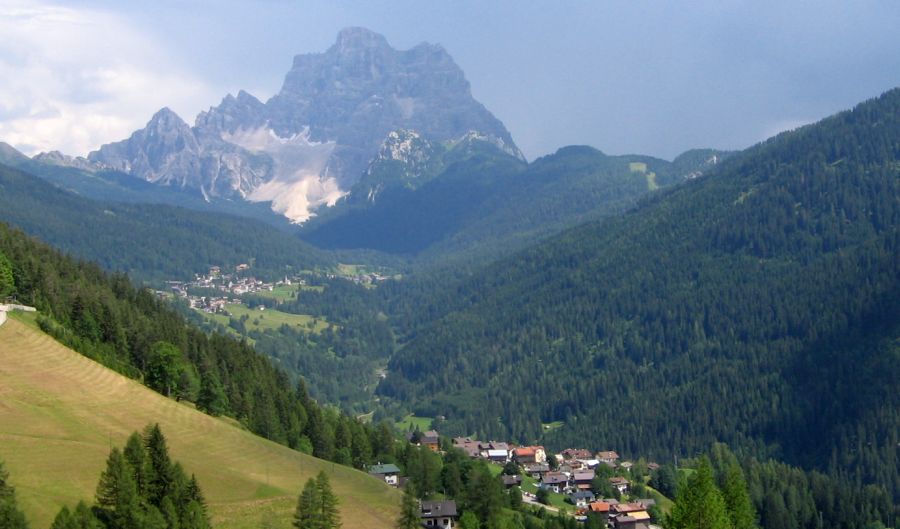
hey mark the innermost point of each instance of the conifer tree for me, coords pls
(410, 515)
(117, 495)
(737, 499)
(64, 520)
(212, 398)
(699, 504)
(136, 455)
(328, 502)
(305, 516)
(10, 515)
(158, 455)
(7, 282)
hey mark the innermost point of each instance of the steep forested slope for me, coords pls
(486, 204)
(128, 329)
(148, 241)
(757, 305)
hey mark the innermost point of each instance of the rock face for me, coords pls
(310, 143)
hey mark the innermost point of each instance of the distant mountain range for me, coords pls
(309, 144)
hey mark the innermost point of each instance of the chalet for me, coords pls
(529, 454)
(471, 447)
(582, 479)
(628, 508)
(440, 514)
(390, 474)
(555, 481)
(626, 465)
(511, 481)
(537, 470)
(581, 498)
(576, 453)
(599, 508)
(624, 522)
(621, 484)
(652, 466)
(496, 456)
(431, 440)
(495, 451)
(632, 520)
(609, 457)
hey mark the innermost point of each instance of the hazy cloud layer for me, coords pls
(73, 79)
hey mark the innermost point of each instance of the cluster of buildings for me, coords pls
(572, 474)
(229, 286)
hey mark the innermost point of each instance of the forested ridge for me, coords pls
(148, 241)
(129, 329)
(758, 305)
(487, 204)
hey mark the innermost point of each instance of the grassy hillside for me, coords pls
(60, 411)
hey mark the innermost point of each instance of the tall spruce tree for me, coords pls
(410, 513)
(7, 281)
(331, 518)
(117, 495)
(737, 499)
(10, 515)
(699, 503)
(158, 455)
(305, 516)
(317, 505)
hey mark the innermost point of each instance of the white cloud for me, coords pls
(74, 79)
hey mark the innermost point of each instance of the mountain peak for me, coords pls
(356, 38)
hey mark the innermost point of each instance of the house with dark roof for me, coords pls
(576, 453)
(621, 484)
(439, 514)
(537, 470)
(581, 498)
(555, 481)
(511, 481)
(583, 478)
(389, 473)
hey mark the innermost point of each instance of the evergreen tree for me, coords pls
(737, 499)
(700, 504)
(161, 478)
(468, 520)
(410, 513)
(306, 516)
(117, 496)
(64, 520)
(212, 398)
(135, 455)
(10, 515)
(7, 281)
(331, 518)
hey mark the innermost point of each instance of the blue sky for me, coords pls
(630, 76)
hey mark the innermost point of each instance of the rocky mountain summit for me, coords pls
(308, 145)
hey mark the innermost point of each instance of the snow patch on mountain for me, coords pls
(300, 182)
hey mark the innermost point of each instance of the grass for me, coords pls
(641, 167)
(60, 412)
(261, 320)
(550, 426)
(282, 293)
(410, 422)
